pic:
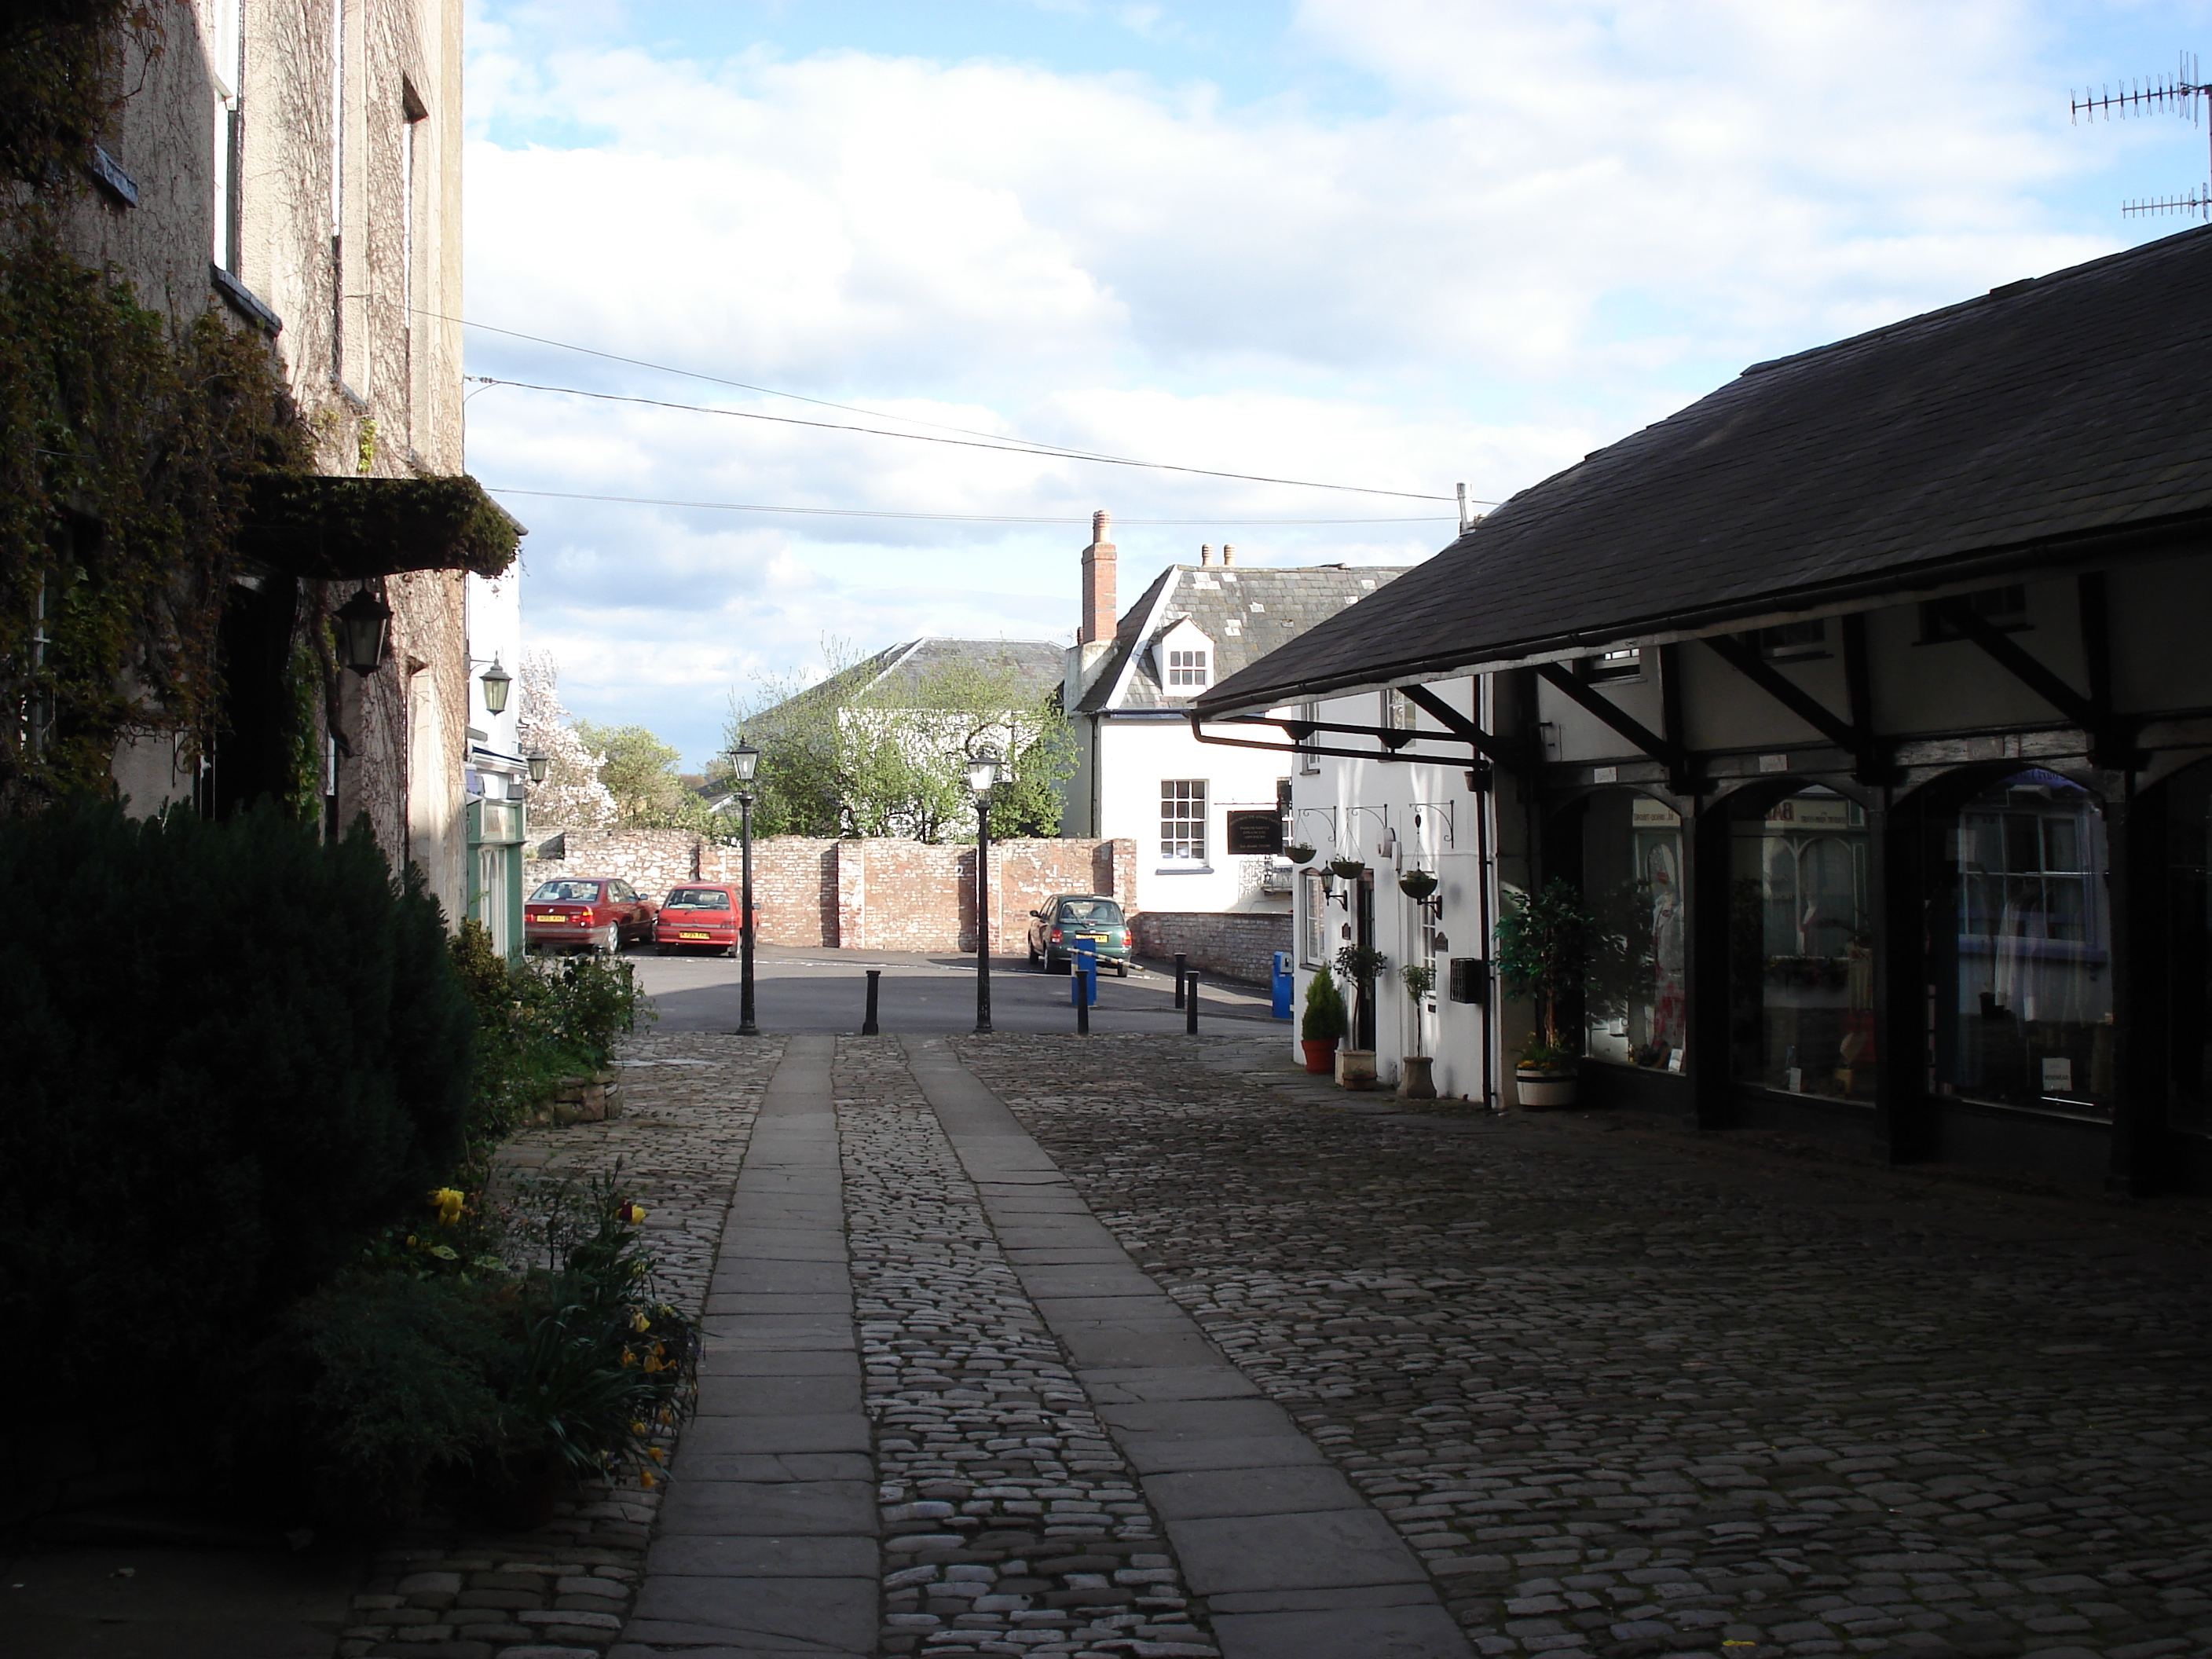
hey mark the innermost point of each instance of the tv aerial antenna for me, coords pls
(2186, 95)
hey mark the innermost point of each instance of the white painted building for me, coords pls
(1211, 881)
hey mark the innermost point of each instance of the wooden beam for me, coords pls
(1742, 655)
(1611, 713)
(1491, 748)
(2000, 649)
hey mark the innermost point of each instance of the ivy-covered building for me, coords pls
(230, 416)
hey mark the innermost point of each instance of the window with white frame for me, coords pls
(1182, 818)
(1313, 919)
(1186, 668)
(1308, 761)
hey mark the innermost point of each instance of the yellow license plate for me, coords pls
(1096, 938)
(690, 936)
(556, 920)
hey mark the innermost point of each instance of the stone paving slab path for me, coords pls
(942, 1412)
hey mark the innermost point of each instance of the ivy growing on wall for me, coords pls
(61, 66)
(127, 444)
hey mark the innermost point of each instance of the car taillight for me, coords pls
(1055, 936)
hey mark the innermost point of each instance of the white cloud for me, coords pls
(1554, 224)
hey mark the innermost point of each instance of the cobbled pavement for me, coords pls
(1626, 1402)
(1010, 1524)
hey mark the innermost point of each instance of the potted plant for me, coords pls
(1414, 1079)
(1358, 964)
(1348, 869)
(1324, 1024)
(1301, 853)
(1417, 883)
(1544, 941)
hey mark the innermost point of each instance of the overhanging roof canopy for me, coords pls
(2032, 424)
(344, 529)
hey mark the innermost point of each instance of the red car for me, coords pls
(700, 916)
(590, 913)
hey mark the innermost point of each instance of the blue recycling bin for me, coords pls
(1083, 973)
(1286, 985)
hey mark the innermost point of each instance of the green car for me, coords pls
(1069, 917)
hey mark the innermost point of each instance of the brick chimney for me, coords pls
(1099, 615)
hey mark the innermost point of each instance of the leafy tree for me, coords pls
(838, 758)
(639, 771)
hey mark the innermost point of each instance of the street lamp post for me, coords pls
(744, 762)
(982, 777)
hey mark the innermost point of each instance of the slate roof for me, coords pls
(2029, 425)
(890, 677)
(1246, 611)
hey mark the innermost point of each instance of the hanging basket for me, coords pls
(1301, 853)
(1417, 883)
(1348, 869)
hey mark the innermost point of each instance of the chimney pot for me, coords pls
(1206, 553)
(1099, 615)
(1227, 553)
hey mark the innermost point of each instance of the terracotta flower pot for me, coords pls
(1318, 1055)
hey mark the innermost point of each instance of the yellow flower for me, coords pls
(638, 1322)
(645, 1478)
(637, 1428)
(654, 1452)
(629, 1359)
(629, 1211)
(651, 1364)
(449, 1201)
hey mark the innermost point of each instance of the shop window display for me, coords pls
(1632, 882)
(1801, 945)
(2189, 851)
(2021, 943)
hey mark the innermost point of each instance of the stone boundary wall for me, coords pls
(876, 894)
(1236, 945)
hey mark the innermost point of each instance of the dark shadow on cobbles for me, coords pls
(1623, 1399)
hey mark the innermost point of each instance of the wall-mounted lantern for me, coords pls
(364, 626)
(496, 680)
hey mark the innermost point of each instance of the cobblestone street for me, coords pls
(1624, 1397)
(1135, 1348)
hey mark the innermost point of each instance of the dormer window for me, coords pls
(1183, 660)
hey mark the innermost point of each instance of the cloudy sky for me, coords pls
(1394, 244)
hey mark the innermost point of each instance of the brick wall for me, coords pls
(880, 894)
(1239, 945)
(794, 886)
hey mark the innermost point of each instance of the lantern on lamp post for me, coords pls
(537, 763)
(983, 771)
(744, 764)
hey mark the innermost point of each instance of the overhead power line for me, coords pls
(951, 518)
(962, 443)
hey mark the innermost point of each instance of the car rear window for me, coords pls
(698, 898)
(1102, 912)
(567, 892)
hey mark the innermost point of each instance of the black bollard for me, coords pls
(1190, 1008)
(1082, 1008)
(1182, 964)
(875, 984)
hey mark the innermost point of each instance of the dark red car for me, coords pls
(590, 913)
(700, 916)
